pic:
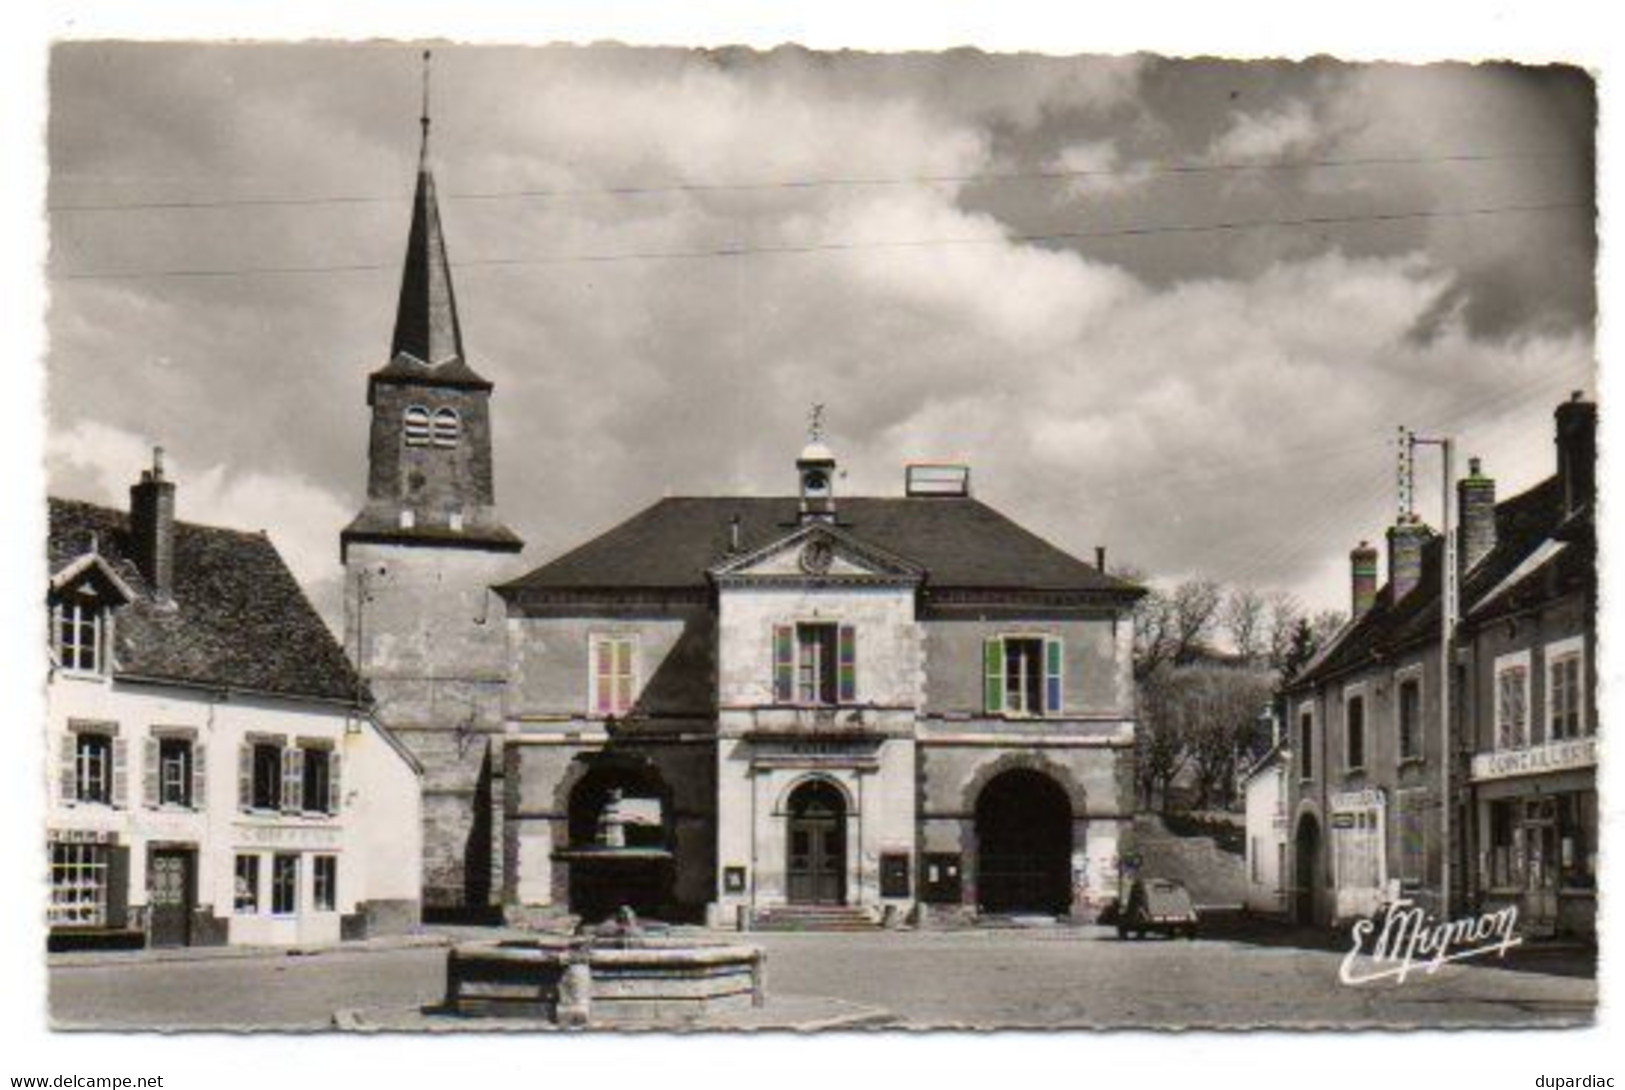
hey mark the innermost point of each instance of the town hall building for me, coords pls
(730, 708)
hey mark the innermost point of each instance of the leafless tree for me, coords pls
(1245, 618)
(1284, 613)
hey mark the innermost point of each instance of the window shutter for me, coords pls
(245, 777)
(847, 658)
(69, 785)
(784, 663)
(1053, 658)
(335, 785)
(993, 675)
(200, 776)
(293, 778)
(121, 771)
(149, 772)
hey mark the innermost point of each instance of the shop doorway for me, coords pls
(171, 893)
(1306, 876)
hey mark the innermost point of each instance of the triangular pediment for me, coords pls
(818, 552)
(90, 576)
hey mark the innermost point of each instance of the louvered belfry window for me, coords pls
(447, 429)
(417, 426)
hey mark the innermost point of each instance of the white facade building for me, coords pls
(216, 777)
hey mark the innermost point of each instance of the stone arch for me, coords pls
(781, 805)
(1031, 761)
(1308, 864)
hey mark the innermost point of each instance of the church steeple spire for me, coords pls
(426, 326)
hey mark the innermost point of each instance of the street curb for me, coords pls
(118, 958)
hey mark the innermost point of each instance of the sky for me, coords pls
(1175, 308)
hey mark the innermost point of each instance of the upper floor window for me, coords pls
(79, 635)
(815, 664)
(613, 678)
(1512, 702)
(417, 426)
(263, 781)
(1306, 744)
(447, 429)
(318, 780)
(93, 767)
(1022, 675)
(1354, 733)
(173, 771)
(1565, 699)
(1410, 718)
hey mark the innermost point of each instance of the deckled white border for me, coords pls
(1525, 30)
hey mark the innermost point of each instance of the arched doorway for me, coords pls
(816, 855)
(620, 830)
(1306, 848)
(1023, 844)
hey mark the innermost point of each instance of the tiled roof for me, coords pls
(1522, 523)
(960, 543)
(238, 619)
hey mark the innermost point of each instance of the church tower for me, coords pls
(420, 621)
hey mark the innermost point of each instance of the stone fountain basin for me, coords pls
(651, 980)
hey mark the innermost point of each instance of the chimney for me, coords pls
(1362, 578)
(1405, 542)
(1100, 559)
(1475, 501)
(152, 528)
(1577, 451)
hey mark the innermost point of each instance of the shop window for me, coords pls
(1410, 719)
(1505, 848)
(284, 884)
(325, 882)
(79, 885)
(1022, 675)
(613, 677)
(245, 898)
(1577, 831)
(1512, 704)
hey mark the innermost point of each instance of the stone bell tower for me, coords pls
(419, 619)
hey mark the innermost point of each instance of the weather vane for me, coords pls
(815, 423)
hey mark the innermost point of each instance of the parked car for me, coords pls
(1157, 904)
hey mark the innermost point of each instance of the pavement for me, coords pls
(1056, 977)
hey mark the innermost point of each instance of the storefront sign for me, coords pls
(1369, 799)
(1535, 760)
(80, 836)
(287, 836)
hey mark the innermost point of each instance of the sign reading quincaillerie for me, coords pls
(1551, 757)
(286, 836)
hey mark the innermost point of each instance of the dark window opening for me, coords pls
(267, 776)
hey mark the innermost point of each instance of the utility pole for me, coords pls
(1449, 612)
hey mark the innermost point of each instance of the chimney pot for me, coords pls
(152, 528)
(1362, 578)
(1475, 500)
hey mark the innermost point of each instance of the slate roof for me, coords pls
(960, 542)
(1522, 523)
(239, 619)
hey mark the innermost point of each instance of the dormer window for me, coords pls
(417, 426)
(447, 429)
(79, 627)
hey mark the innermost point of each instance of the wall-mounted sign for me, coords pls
(1369, 799)
(1532, 761)
(81, 836)
(733, 879)
(287, 836)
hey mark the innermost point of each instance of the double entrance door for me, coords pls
(817, 848)
(1541, 863)
(171, 887)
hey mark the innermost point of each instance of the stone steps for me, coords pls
(815, 918)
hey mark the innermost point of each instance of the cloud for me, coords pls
(1198, 402)
(97, 462)
(1098, 169)
(1283, 131)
